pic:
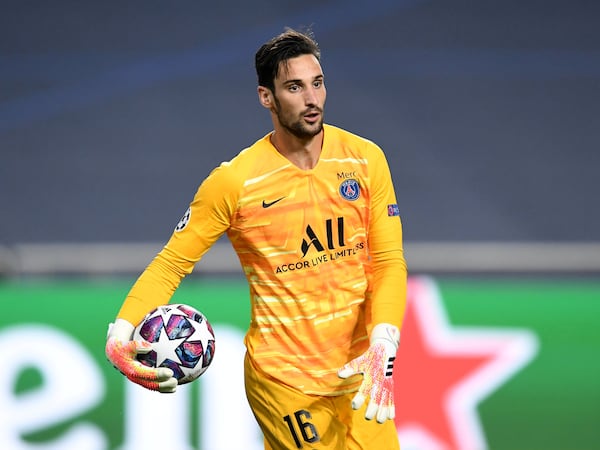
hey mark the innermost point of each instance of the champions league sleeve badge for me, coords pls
(393, 210)
(350, 189)
(184, 220)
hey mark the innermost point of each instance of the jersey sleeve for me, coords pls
(388, 293)
(208, 217)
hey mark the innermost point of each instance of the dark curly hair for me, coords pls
(287, 45)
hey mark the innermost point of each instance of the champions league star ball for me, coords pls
(182, 339)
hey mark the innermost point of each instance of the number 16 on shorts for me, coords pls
(301, 428)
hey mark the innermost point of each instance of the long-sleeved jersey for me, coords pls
(321, 250)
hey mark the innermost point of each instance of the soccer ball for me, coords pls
(182, 339)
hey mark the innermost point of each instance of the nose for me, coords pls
(310, 96)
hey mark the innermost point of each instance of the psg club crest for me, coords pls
(350, 189)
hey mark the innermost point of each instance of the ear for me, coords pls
(265, 97)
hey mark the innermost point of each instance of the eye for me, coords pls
(293, 88)
(318, 83)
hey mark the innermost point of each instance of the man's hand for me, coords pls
(121, 351)
(376, 366)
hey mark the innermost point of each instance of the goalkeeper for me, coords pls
(311, 212)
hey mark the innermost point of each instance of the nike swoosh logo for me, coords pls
(267, 204)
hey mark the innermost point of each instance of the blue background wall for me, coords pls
(111, 113)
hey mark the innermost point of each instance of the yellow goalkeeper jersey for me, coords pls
(321, 250)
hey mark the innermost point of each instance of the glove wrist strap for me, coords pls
(120, 329)
(386, 333)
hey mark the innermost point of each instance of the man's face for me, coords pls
(299, 96)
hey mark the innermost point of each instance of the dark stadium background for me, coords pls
(111, 113)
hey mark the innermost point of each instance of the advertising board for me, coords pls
(483, 363)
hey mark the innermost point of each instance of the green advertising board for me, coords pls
(483, 363)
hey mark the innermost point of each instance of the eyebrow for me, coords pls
(299, 81)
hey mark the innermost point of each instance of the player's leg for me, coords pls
(366, 434)
(290, 419)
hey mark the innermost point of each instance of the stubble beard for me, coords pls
(299, 128)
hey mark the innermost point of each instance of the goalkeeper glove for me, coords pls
(376, 366)
(121, 351)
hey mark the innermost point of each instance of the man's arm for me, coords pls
(207, 218)
(387, 302)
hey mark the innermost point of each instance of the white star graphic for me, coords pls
(165, 347)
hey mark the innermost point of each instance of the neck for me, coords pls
(303, 153)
